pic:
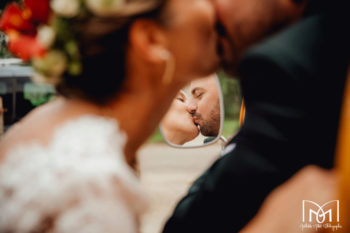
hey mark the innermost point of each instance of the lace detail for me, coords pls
(80, 182)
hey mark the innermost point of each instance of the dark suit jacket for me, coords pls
(292, 84)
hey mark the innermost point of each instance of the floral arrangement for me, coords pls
(39, 32)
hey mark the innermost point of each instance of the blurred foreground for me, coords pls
(166, 174)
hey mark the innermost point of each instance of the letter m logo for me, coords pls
(319, 213)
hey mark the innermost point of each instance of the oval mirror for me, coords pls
(196, 115)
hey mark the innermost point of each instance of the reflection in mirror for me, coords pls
(195, 115)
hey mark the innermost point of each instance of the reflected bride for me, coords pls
(178, 126)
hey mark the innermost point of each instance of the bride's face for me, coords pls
(192, 38)
(178, 123)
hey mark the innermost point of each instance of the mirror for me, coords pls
(195, 117)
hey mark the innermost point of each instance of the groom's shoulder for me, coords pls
(294, 46)
(301, 47)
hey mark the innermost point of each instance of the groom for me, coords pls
(292, 85)
(204, 106)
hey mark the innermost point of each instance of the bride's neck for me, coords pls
(138, 110)
(139, 113)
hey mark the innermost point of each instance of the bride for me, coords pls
(117, 65)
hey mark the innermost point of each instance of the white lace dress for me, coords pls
(79, 183)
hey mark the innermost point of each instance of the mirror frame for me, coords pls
(222, 119)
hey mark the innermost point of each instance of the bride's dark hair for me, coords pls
(103, 42)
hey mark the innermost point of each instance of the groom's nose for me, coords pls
(191, 107)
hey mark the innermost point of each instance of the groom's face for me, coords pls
(204, 105)
(244, 22)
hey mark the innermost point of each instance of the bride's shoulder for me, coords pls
(84, 163)
(54, 124)
(83, 137)
(38, 125)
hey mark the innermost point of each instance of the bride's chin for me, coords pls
(194, 134)
(211, 67)
(213, 61)
(194, 129)
(215, 64)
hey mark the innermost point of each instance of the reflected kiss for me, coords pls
(196, 119)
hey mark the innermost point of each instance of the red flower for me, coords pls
(39, 9)
(20, 24)
(25, 47)
(14, 18)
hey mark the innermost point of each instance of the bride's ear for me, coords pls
(148, 40)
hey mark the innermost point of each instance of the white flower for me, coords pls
(66, 8)
(104, 7)
(46, 36)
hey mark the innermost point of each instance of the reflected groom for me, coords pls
(204, 106)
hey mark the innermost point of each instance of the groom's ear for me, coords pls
(147, 39)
